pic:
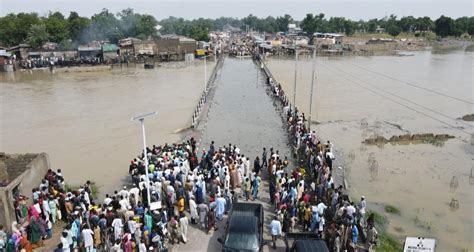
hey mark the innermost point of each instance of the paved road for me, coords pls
(243, 114)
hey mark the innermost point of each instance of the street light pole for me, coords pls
(312, 86)
(296, 75)
(141, 118)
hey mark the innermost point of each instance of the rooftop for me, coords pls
(13, 165)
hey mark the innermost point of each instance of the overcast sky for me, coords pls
(190, 9)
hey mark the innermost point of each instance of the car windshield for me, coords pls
(242, 241)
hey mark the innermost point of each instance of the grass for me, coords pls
(392, 209)
(388, 243)
(380, 220)
(94, 189)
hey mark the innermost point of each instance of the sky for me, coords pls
(190, 9)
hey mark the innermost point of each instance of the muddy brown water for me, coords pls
(82, 120)
(416, 178)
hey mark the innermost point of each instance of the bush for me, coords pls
(392, 209)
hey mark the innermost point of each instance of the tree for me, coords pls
(283, 21)
(57, 27)
(349, 27)
(311, 24)
(372, 25)
(408, 24)
(393, 30)
(105, 26)
(444, 26)
(424, 24)
(77, 26)
(37, 35)
(14, 28)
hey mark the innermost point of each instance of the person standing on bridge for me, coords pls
(264, 157)
(256, 166)
(275, 230)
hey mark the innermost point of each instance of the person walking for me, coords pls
(255, 186)
(275, 230)
(247, 187)
(87, 236)
(183, 223)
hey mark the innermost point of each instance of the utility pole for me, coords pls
(296, 75)
(141, 118)
(312, 86)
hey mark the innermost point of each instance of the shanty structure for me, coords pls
(20, 51)
(110, 52)
(174, 47)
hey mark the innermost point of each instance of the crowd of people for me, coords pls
(184, 189)
(307, 198)
(36, 217)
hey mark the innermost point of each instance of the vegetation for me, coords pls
(94, 189)
(388, 242)
(74, 29)
(392, 209)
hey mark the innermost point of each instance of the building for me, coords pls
(110, 52)
(327, 38)
(19, 174)
(126, 46)
(89, 52)
(20, 51)
(293, 29)
(174, 47)
(5, 61)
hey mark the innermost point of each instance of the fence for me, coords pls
(205, 94)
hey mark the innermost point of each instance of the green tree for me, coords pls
(14, 28)
(57, 27)
(77, 27)
(444, 26)
(283, 21)
(37, 35)
(105, 26)
(408, 24)
(424, 24)
(311, 24)
(372, 25)
(393, 29)
(349, 27)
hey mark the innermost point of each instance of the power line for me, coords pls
(397, 102)
(402, 98)
(412, 85)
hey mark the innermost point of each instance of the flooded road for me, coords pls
(242, 113)
(82, 120)
(361, 97)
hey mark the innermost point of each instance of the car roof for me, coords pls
(243, 224)
(310, 245)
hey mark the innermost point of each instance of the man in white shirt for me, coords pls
(107, 200)
(275, 230)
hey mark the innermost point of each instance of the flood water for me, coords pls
(82, 120)
(360, 97)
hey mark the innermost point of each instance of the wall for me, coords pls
(29, 179)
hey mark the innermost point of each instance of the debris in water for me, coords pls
(364, 124)
(454, 204)
(453, 185)
(351, 155)
(471, 178)
(408, 138)
(363, 148)
(373, 169)
(468, 118)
